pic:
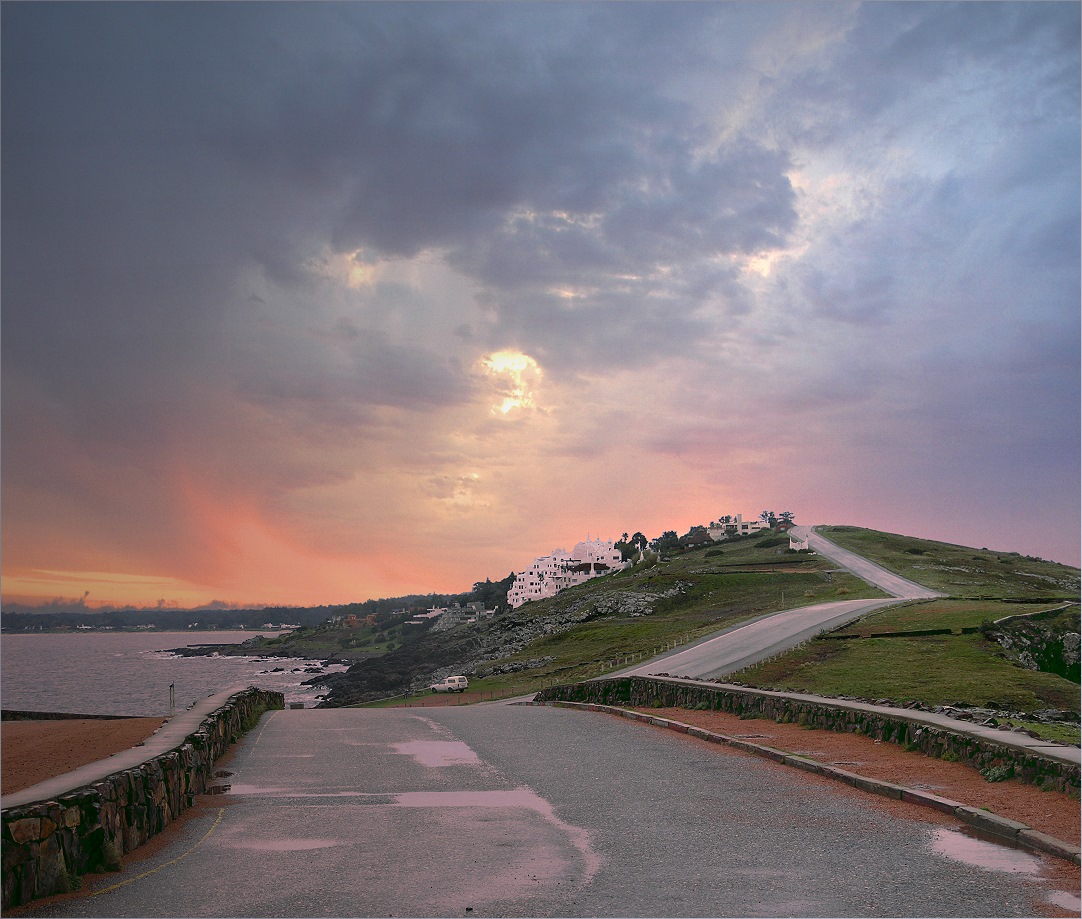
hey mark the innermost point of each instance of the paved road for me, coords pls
(536, 811)
(869, 571)
(747, 644)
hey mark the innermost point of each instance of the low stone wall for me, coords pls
(46, 846)
(934, 741)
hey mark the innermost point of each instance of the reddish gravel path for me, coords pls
(1048, 811)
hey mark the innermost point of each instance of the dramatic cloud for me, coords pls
(314, 302)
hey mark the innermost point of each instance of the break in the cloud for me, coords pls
(312, 302)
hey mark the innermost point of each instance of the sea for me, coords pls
(130, 673)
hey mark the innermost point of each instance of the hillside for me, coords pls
(960, 571)
(1003, 645)
(624, 615)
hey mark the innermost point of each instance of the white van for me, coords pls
(451, 684)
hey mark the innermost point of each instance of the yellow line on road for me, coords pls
(146, 874)
(259, 736)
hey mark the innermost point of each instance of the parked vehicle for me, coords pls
(451, 684)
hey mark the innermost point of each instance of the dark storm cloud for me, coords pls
(185, 186)
(153, 151)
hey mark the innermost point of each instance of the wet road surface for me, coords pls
(537, 811)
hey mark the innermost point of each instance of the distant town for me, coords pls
(544, 577)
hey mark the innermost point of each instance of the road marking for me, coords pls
(146, 874)
(259, 736)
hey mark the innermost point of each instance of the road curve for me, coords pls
(867, 570)
(751, 642)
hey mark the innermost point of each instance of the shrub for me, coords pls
(110, 856)
(998, 773)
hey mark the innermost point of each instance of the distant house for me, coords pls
(550, 574)
(696, 537)
(733, 526)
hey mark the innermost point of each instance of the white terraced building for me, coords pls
(550, 574)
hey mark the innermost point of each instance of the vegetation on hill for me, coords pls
(1025, 665)
(620, 617)
(959, 571)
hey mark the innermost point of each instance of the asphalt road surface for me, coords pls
(869, 571)
(747, 644)
(536, 811)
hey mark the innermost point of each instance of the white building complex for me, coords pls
(548, 575)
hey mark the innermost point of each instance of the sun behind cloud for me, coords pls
(517, 376)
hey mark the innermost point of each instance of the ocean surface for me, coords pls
(128, 673)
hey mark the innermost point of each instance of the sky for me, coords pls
(313, 303)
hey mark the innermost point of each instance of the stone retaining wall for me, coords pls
(46, 846)
(933, 741)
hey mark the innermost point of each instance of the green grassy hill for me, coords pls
(959, 571)
(620, 617)
(975, 663)
(609, 622)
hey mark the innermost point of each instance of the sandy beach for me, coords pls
(32, 751)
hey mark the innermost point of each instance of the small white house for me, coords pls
(734, 526)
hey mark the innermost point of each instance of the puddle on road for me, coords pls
(367, 797)
(524, 797)
(516, 797)
(438, 753)
(981, 854)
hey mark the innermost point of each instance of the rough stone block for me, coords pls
(26, 830)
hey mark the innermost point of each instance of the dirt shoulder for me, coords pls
(33, 751)
(1051, 812)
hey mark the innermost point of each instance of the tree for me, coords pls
(786, 516)
(640, 541)
(666, 542)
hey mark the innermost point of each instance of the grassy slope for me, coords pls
(691, 595)
(743, 580)
(934, 669)
(959, 571)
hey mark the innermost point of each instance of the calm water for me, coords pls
(127, 673)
